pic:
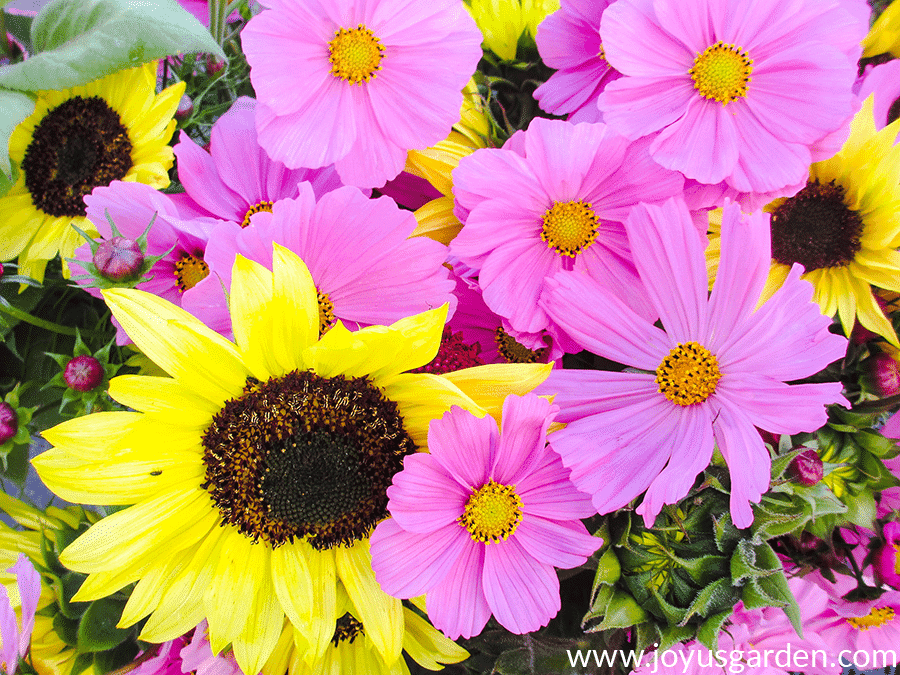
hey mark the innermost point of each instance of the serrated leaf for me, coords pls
(622, 611)
(708, 633)
(673, 615)
(671, 635)
(776, 586)
(97, 630)
(78, 42)
(15, 106)
(711, 597)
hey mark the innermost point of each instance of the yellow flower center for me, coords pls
(722, 72)
(602, 53)
(569, 227)
(877, 616)
(514, 351)
(256, 208)
(688, 374)
(326, 312)
(896, 558)
(492, 513)
(355, 54)
(190, 271)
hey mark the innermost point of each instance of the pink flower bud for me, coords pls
(118, 258)
(806, 468)
(214, 65)
(9, 422)
(886, 565)
(83, 373)
(185, 108)
(885, 375)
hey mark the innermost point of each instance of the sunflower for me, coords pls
(843, 227)
(115, 128)
(351, 650)
(259, 469)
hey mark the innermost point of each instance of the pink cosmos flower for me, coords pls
(189, 653)
(715, 373)
(569, 40)
(884, 81)
(132, 206)
(365, 268)
(481, 522)
(553, 199)
(14, 639)
(886, 564)
(236, 178)
(731, 90)
(358, 83)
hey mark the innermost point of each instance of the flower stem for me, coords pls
(21, 315)
(218, 15)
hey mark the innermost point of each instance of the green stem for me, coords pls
(34, 321)
(217, 19)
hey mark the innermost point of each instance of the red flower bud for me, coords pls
(83, 373)
(806, 468)
(9, 422)
(118, 258)
(885, 375)
(185, 108)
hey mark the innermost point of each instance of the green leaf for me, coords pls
(14, 107)
(608, 569)
(97, 630)
(861, 509)
(708, 634)
(710, 599)
(875, 443)
(66, 629)
(82, 662)
(79, 42)
(622, 612)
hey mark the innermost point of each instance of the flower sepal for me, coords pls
(84, 376)
(14, 424)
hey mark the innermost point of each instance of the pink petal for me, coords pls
(564, 544)
(660, 100)
(602, 323)
(766, 163)
(670, 261)
(523, 594)
(461, 587)
(692, 443)
(637, 45)
(548, 493)
(464, 444)
(29, 583)
(748, 462)
(423, 497)
(523, 437)
(580, 393)
(511, 180)
(408, 565)
(703, 144)
(200, 177)
(493, 224)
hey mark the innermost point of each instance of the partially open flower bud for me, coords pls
(83, 373)
(886, 564)
(9, 422)
(118, 258)
(884, 375)
(806, 468)
(185, 108)
(214, 65)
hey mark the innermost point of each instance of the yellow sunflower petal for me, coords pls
(165, 396)
(251, 295)
(173, 520)
(149, 590)
(489, 385)
(846, 291)
(256, 642)
(180, 344)
(381, 614)
(870, 316)
(880, 268)
(115, 482)
(236, 580)
(280, 659)
(427, 646)
(437, 221)
(295, 311)
(293, 581)
(320, 631)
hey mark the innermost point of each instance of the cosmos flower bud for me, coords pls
(214, 65)
(885, 565)
(118, 258)
(806, 468)
(9, 422)
(83, 373)
(185, 108)
(884, 375)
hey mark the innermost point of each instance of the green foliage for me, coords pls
(15, 106)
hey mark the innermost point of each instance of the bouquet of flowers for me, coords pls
(492, 336)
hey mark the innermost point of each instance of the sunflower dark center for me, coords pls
(347, 629)
(816, 228)
(305, 456)
(79, 145)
